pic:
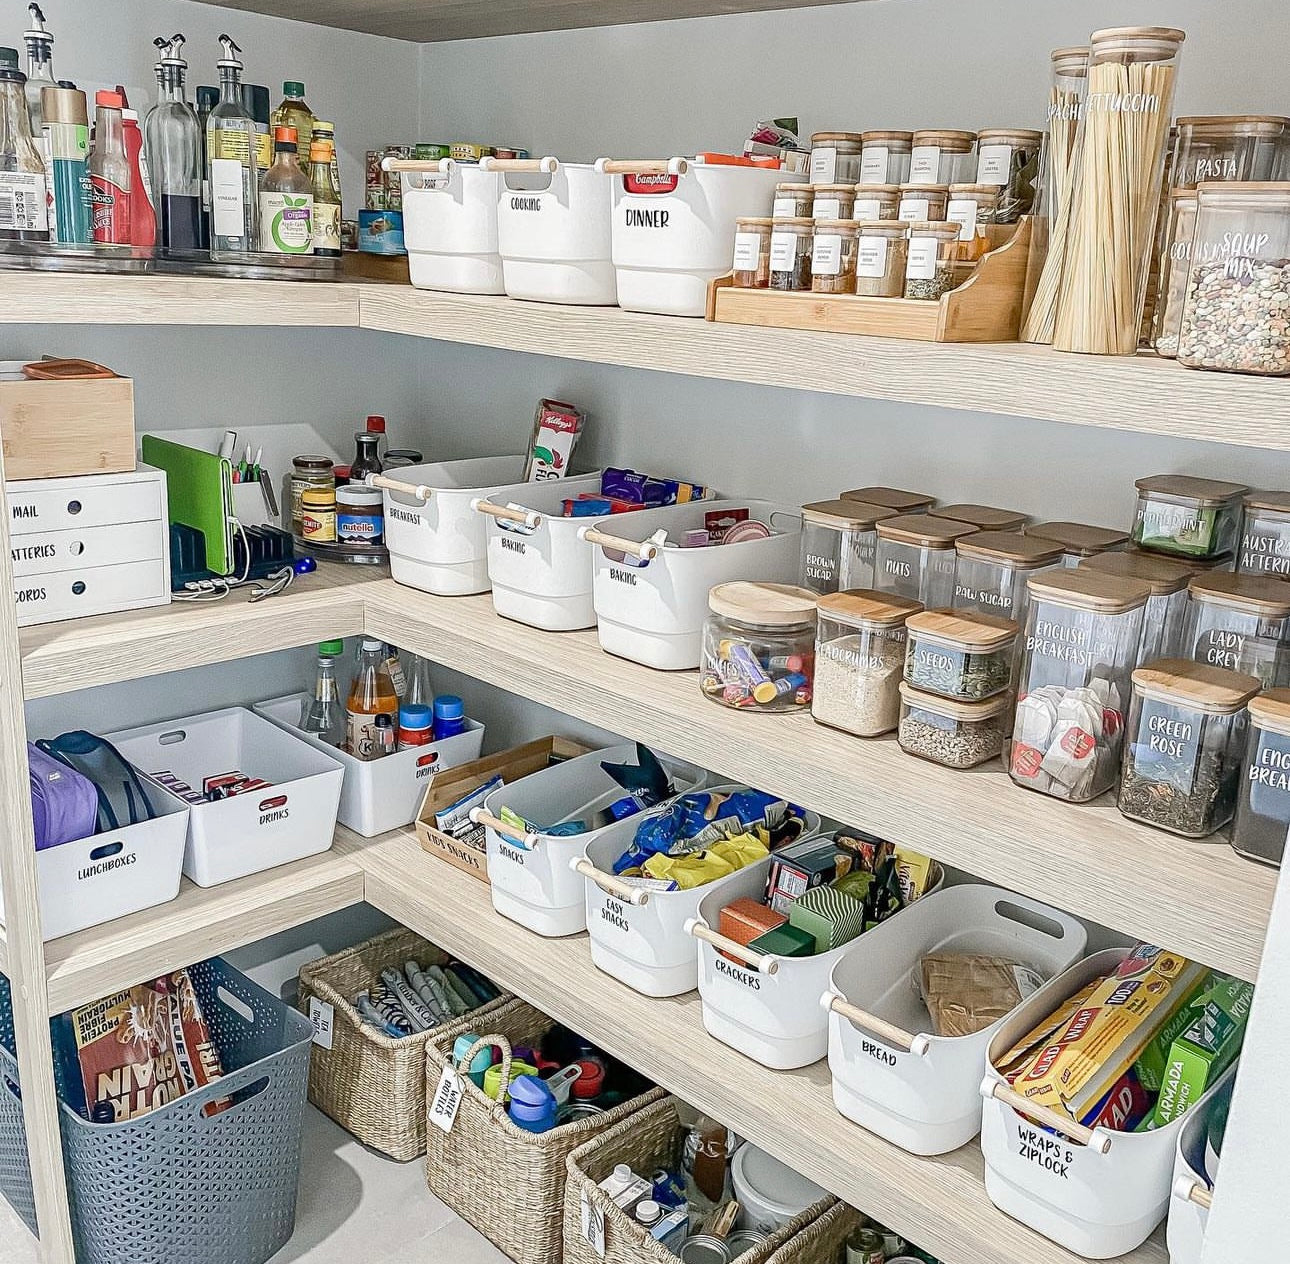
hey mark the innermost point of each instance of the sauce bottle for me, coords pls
(24, 204)
(255, 98)
(109, 174)
(293, 112)
(173, 145)
(366, 458)
(40, 75)
(326, 201)
(143, 219)
(371, 694)
(286, 201)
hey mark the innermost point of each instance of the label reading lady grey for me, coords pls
(924, 164)
(824, 165)
(993, 164)
(871, 257)
(912, 209)
(921, 264)
(1167, 744)
(962, 211)
(783, 251)
(1264, 552)
(747, 248)
(826, 254)
(1259, 656)
(827, 208)
(873, 164)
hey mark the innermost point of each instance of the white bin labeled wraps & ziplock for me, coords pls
(1189, 1204)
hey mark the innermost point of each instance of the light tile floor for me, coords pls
(355, 1206)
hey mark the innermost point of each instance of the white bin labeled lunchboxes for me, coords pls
(1190, 1204)
(379, 794)
(674, 227)
(891, 1074)
(293, 817)
(450, 225)
(637, 936)
(530, 875)
(1096, 1192)
(553, 231)
(651, 599)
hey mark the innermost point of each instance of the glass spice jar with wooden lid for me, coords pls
(915, 557)
(838, 544)
(876, 201)
(833, 256)
(896, 498)
(971, 207)
(920, 202)
(1187, 517)
(983, 517)
(1184, 746)
(932, 254)
(1263, 803)
(1264, 547)
(1008, 157)
(884, 157)
(1162, 625)
(992, 568)
(752, 253)
(1080, 540)
(790, 254)
(835, 157)
(759, 646)
(833, 201)
(953, 734)
(793, 201)
(960, 654)
(941, 156)
(882, 258)
(1241, 622)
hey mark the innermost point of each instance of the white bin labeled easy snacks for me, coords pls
(891, 1073)
(531, 879)
(652, 599)
(293, 817)
(379, 794)
(1189, 1206)
(450, 225)
(674, 227)
(553, 230)
(1097, 1192)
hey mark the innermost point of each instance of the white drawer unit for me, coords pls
(53, 551)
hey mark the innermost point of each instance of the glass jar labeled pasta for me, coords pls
(1236, 314)
(983, 517)
(915, 557)
(1079, 540)
(1240, 622)
(971, 207)
(833, 201)
(954, 734)
(1186, 740)
(884, 157)
(1079, 649)
(960, 655)
(1263, 805)
(833, 256)
(876, 201)
(882, 257)
(1264, 547)
(835, 157)
(942, 156)
(1225, 147)
(1187, 517)
(896, 498)
(1175, 262)
(992, 569)
(838, 544)
(1162, 625)
(752, 253)
(920, 202)
(790, 254)
(1008, 158)
(759, 646)
(929, 267)
(793, 201)
(859, 658)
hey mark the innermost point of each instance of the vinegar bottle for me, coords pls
(371, 694)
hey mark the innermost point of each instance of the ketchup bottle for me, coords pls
(143, 219)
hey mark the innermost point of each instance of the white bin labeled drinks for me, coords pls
(1096, 1192)
(891, 1073)
(530, 875)
(651, 603)
(674, 227)
(1190, 1202)
(291, 818)
(379, 794)
(639, 937)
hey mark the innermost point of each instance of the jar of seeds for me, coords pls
(882, 256)
(884, 157)
(1263, 803)
(876, 201)
(1079, 540)
(971, 207)
(1265, 535)
(794, 201)
(835, 157)
(897, 498)
(752, 253)
(859, 658)
(1162, 625)
(1008, 157)
(1240, 622)
(915, 557)
(919, 202)
(983, 517)
(1236, 315)
(955, 734)
(1187, 517)
(833, 201)
(942, 156)
(833, 256)
(838, 544)
(790, 254)
(992, 569)
(960, 655)
(933, 250)
(1186, 740)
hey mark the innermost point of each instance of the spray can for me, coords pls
(67, 136)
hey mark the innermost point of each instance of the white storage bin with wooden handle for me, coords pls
(674, 227)
(891, 1072)
(1190, 1202)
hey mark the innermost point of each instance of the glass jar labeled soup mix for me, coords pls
(833, 256)
(915, 557)
(1187, 517)
(983, 517)
(835, 157)
(859, 659)
(1162, 625)
(919, 202)
(960, 655)
(752, 253)
(992, 569)
(838, 544)
(833, 201)
(759, 646)
(884, 157)
(882, 258)
(971, 207)
(1240, 622)
(793, 201)
(790, 254)
(1008, 157)
(1186, 740)
(1080, 540)
(933, 252)
(896, 498)
(1265, 535)
(876, 201)
(1078, 653)
(942, 156)
(1263, 802)
(954, 734)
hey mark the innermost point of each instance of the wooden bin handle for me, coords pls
(1093, 1139)
(526, 517)
(919, 1046)
(418, 491)
(643, 166)
(761, 962)
(1189, 1190)
(611, 885)
(646, 550)
(479, 817)
(548, 166)
(439, 166)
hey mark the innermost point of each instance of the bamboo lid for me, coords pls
(1250, 124)
(794, 222)
(795, 188)
(1071, 63)
(845, 513)
(1241, 188)
(1213, 690)
(1278, 502)
(892, 497)
(1020, 136)
(922, 190)
(970, 711)
(1010, 547)
(1163, 575)
(947, 139)
(1254, 594)
(1079, 537)
(1163, 41)
(1197, 565)
(1088, 590)
(1271, 710)
(823, 138)
(922, 529)
(983, 517)
(845, 190)
(866, 607)
(974, 190)
(963, 629)
(876, 190)
(757, 221)
(769, 605)
(874, 138)
(938, 228)
(1205, 491)
(883, 228)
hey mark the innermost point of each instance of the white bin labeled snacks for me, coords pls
(292, 817)
(652, 599)
(450, 225)
(108, 875)
(891, 1073)
(437, 542)
(1097, 1192)
(379, 794)
(1189, 1205)
(674, 222)
(553, 230)
(530, 875)
(639, 936)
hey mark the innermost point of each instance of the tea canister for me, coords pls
(1263, 802)
(1241, 622)
(1186, 740)
(759, 646)
(896, 498)
(835, 157)
(992, 568)
(1008, 157)
(915, 557)
(941, 156)
(884, 157)
(1080, 540)
(838, 544)
(1162, 625)
(1264, 547)
(960, 655)
(954, 734)
(1187, 517)
(983, 517)
(876, 201)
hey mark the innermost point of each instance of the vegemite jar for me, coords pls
(1263, 802)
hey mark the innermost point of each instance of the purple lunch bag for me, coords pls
(64, 802)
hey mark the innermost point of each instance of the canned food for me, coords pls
(703, 1248)
(374, 198)
(381, 232)
(465, 151)
(375, 175)
(432, 151)
(864, 1246)
(505, 151)
(576, 1112)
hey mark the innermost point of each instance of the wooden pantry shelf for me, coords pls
(938, 1203)
(1197, 898)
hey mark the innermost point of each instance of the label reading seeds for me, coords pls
(747, 248)
(783, 251)
(871, 257)
(824, 165)
(993, 164)
(827, 208)
(826, 256)
(924, 164)
(922, 259)
(962, 211)
(321, 1014)
(873, 165)
(914, 209)
(447, 1100)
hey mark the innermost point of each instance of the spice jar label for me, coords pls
(924, 164)
(912, 209)
(1264, 553)
(921, 265)
(783, 251)
(784, 207)
(1167, 745)
(993, 164)
(871, 257)
(873, 164)
(826, 255)
(962, 211)
(747, 248)
(867, 208)
(827, 208)
(824, 165)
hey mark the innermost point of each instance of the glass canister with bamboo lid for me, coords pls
(942, 156)
(1175, 261)
(1008, 158)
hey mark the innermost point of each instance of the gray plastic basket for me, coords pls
(15, 1172)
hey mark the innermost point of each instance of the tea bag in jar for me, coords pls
(1032, 734)
(1071, 759)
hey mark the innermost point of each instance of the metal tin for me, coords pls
(465, 151)
(703, 1248)
(432, 151)
(576, 1112)
(745, 1240)
(374, 197)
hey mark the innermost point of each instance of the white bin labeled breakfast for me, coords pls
(913, 1005)
(645, 877)
(536, 826)
(258, 797)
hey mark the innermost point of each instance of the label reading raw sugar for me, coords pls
(747, 248)
(873, 165)
(824, 165)
(826, 255)
(962, 211)
(993, 164)
(922, 259)
(924, 164)
(783, 251)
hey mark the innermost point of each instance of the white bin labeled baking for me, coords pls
(553, 230)
(293, 817)
(380, 794)
(639, 937)
(437, 542)
(450, 225)
(651, 602)
(1190, 1204)
(891, 1073)
(116, 872)
(531, 879)
(1096, 1192)
(674, 227)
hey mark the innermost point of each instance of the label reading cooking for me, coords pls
(1050, 1153)
(827, 208)
(873, 164)
(1264, 553)
(24, 206)
(962, 211)
(993, 164)
(871, 257)
(924, 164)
(783, 251)
(747, 250)
(1167, 745)
(921, 265)
(912, 209)
(826, 254)
(824, 165)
